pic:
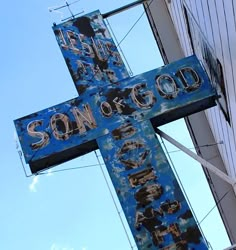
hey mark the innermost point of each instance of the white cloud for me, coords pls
(49, 172)
(32, 186)
(55, 246)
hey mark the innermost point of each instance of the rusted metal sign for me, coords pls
(155, 208)
(67, 130)
(116, 114)
(90, 52)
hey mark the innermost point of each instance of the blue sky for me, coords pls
(71, 210)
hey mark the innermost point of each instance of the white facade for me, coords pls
(208, 29)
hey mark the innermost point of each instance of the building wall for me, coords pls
(208, 29)
(217, 25)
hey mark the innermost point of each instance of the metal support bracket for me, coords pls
(123, 8)
(203, 162)
(231, 248)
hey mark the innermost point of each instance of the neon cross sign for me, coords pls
(117, 113)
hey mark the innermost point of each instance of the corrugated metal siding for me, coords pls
(216, 19)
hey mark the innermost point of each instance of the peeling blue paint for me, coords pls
(110, 106)
(90, 52)
(117, 113)
(156, 210)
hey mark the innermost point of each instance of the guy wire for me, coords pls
(181, 185)
(113, 199)
(118, 46)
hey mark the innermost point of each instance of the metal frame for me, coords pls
(231, 248)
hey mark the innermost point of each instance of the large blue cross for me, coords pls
(117, 114)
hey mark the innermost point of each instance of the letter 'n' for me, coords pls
(84, 119)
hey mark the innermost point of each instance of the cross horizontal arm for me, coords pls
(204, 163)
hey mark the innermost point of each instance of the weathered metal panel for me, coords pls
(164, 94)
(161, 95)
(114, 113)
(59, 133)
(154, 205)
(89, 51)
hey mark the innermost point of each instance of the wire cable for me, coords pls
(217, 201)
(183, 189)
(135, 23)
(22, 163)
(68, 169)
(118, 46)
(114, 202)
(94, 165)
(126, 35)
(216, 205)
(197, 147)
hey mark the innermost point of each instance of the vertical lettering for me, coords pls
(116, 55)
(87, 49)
(124, 131)
(118, 61)
(148, 194)
(73, 39)
(149, 219)
(111, 75)
(86, 70)
(99, 49)
(141, 177)
(133, 154)
(61, 39)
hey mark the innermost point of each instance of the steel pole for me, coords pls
(123, 8)
(203, 162)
